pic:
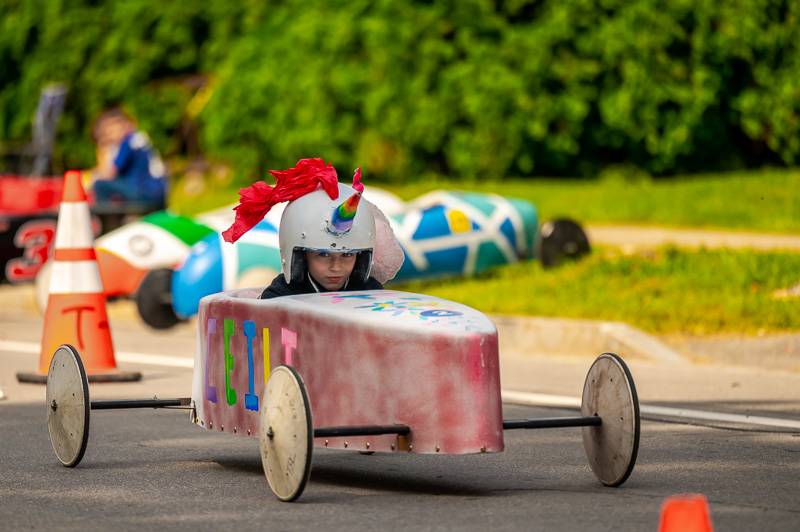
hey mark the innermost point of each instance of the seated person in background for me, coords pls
(327, 239)
(131, 170)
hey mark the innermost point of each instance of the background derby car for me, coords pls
(28, 212)
(459, 233)
(168, 293)
(370, 371)
(125, 255)
(212, 265)
(441, 233)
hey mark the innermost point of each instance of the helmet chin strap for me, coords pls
(311, 280)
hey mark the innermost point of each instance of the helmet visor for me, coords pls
(360, 272)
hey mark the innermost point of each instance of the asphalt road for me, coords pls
(153, 469)
(146, 469)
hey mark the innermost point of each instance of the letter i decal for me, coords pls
(289, 341)
(250, 399)
(265, 345)
(229, 329)
(211, 329)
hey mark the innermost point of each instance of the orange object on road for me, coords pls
(685, 513)
(76, 304)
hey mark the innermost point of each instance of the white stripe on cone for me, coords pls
(75, 277)
(74, 229)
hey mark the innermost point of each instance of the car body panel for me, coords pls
(377, 357)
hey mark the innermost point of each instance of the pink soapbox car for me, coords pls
(370, 371)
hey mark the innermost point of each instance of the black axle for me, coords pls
(140, 403)
(364, 430)
(552, 422)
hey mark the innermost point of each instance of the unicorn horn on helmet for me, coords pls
(343, 215)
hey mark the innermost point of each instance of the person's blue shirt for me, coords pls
(141, 175)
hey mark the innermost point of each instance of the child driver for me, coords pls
(326, 240)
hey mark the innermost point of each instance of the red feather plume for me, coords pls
(256, 200)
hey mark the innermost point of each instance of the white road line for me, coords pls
(538, 399)
(121, 356)
(19, 347)
(508, 396)
(719, 416)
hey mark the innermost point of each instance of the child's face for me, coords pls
(113, 130)
(330, 269)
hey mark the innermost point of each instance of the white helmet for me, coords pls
(315, 222)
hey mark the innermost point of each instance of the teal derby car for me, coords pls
(460, 233)
(443, 233)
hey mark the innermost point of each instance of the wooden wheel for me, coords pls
(286, 434)
(68, 405)
(609, 393)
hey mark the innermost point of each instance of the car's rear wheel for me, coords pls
(561, 240)
(154, 299)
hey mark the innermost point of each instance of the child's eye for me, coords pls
(348, 254)
(324, 254)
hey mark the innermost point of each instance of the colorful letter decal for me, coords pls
(229, 332)
(265, 342)
(250, 399)
(230, 393)
(211, 328)
(289, 341)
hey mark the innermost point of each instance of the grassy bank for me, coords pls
(757, 201)
(664, 291)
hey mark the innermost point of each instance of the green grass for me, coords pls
(767, 200)
(662, 291)
(757, 201)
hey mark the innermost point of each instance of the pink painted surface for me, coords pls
(367, 358)
(289, 341)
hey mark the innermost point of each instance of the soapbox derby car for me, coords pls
(28, 214)
(369, 371)
(442, 233)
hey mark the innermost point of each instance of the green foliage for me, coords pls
(139, 54)
(466, 88)
(665, 291)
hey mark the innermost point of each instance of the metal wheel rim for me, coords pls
(68, 406)
(612, 448)
(286, 434)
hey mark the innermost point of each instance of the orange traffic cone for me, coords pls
(76, 305)
(685, 513)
